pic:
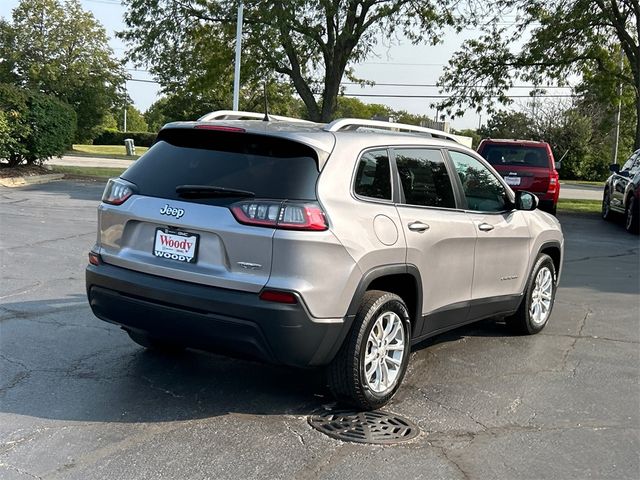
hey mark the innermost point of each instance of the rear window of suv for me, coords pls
(270, 167)
(516, 155)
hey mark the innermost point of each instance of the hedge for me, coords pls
(35, 126)
(115, 137)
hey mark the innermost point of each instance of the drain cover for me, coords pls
(365, 427)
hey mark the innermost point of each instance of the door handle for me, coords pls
(418, 227)
(485, 227)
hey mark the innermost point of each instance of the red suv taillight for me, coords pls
(284, 215)
(553, 183)
(117, 191)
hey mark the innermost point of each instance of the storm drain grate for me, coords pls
(365, 427)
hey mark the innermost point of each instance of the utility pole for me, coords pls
(125, 118)
(236, 75)
(616, 140)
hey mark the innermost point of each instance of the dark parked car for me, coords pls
(525, 165)
(622, 191)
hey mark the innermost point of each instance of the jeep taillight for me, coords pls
(117, 191)
(284, 215)
(553, 184)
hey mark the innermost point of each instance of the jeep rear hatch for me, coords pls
(222, 194)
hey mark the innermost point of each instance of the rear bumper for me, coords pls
(215, 319)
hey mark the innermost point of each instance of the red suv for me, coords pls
(525, 165)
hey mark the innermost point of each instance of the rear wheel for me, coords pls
(631, 219)
(535, 309)
(606, 206)
(371, 364)
(155, 344)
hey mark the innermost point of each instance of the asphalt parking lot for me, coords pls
(79, 400)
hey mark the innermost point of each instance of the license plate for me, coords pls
(176, 245)
(512, 180)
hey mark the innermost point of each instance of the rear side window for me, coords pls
(424, 178)
(516, 155)
(269, 167)
(373, 178)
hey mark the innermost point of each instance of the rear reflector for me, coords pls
(220, 128)
(94, 258)
(283, 215)
(278, 297)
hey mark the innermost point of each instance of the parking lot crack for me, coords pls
(295, 432)
(49, 240)
(451, 409)
(160, 389)
(19, 470)
(627, 253)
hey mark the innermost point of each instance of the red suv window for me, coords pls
(516, 155)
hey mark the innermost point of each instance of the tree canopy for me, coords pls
(56, 47)
(311, 44)
(586, 38)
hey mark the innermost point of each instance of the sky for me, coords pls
(401, 62)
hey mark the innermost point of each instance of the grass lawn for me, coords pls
(583, 182)
(579, 206)
(93, 172)
(107, 151)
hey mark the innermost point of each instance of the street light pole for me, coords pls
(236, 75)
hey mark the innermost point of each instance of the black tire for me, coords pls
(154, 344)
(522, 322)
(607, 214)
(346, 374)
(631, 220)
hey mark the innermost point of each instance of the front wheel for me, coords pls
(539, 296)
(371, 364)
(606, 205)
(631, 220)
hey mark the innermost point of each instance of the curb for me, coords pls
(12, 182)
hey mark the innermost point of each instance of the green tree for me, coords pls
(506, 124)
(56, 47)
(135, 120)
(349, 107)
(311, 44)
(574, 37)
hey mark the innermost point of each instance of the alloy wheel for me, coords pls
(541, 297)
(384, 352)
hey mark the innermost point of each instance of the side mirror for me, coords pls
(614, 167)
(526, 200)
(559, 165)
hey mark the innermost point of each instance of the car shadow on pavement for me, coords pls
(59, 362)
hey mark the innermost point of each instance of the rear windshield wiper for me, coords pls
(211, 191)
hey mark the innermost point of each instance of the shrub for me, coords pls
(115, 137)
(13, 106)
(53, 128)
(38, 126)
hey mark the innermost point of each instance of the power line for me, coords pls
(449, 96)
(142, 81)
(376, 84)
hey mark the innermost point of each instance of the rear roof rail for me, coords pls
(239, 115)
(343, 124)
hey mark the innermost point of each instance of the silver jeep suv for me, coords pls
(311, 245)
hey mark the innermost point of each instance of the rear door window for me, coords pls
(514, 155)
(373, 178)
(270, 167)
(424, 178)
